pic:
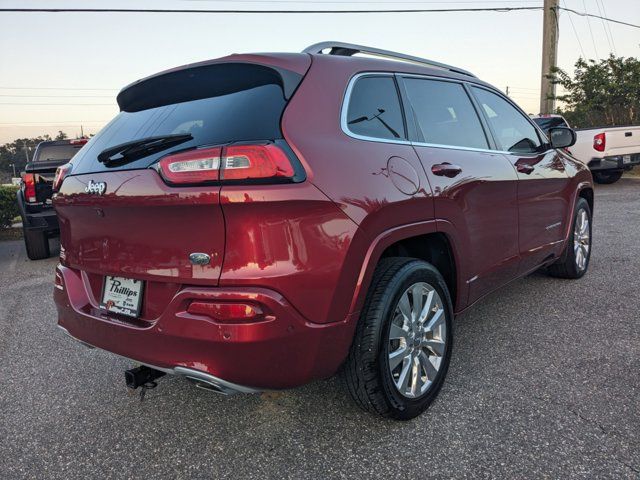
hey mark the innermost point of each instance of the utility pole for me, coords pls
(549, 54)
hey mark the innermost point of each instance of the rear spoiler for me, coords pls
(203, 81)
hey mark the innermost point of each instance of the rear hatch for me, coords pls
(122, 214)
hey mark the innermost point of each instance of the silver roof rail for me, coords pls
(350, 49)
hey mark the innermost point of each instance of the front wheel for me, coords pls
(402, 345)
(575, 259)
(606, 177)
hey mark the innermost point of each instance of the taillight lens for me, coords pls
(600, 142)
(29, 182)
(235, 162)
(61, 172)
(196, 166)
(227, 312)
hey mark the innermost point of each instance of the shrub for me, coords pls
(8, 205)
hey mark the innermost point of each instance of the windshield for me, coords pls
(249, 111)
(56, 152)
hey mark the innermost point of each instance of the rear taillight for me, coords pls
(232, 163)
(29, 183)
(61, 172)
(600, 142)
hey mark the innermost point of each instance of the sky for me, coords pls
(61, 71)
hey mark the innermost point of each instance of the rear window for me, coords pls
(374, 109)
(246, 109)
(56, 152)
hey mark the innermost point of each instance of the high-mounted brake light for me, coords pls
(600, 142)
(61, 172)
(29, 182)
(235, 162)
(78, 141)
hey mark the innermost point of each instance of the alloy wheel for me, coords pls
(581, 239)
(417, 340)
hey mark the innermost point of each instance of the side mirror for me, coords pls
(561, 137)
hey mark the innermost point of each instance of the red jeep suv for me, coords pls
(259, 221)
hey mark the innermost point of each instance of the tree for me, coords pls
(600, 93)
(61, 135)
(16, 153)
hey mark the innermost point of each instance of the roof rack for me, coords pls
(350, 49)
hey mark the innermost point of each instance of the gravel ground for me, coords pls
(544, 382)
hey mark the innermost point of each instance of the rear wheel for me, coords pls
(575, 260)
(37, 244)
(402, 345)
(607, 176)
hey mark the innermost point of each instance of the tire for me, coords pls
(368, 373)
(569, 265)
(606, 177)
(37, 244)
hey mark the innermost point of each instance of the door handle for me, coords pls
(446, 169)
(524, 168)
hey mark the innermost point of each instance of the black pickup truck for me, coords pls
(39, 221)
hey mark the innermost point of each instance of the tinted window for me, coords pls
(513, 130)
(247, 114)
(56, 152)
(545, 123)
(374, 109)
(444, 113)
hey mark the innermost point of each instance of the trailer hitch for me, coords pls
(144, 377)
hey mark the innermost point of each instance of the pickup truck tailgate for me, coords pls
(622, 141)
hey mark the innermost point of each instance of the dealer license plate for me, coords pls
(122, 295)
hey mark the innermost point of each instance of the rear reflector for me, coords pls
(61, 172)
(600, 142)
(226, 312)
(235, 162)
(29, 182)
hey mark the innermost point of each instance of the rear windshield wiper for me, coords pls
(130, 151)
(376, 117)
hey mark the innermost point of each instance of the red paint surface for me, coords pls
(302, 253)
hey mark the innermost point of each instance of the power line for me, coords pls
(54, 96)
(575, 33)
(61, 104)
(604, 26)
(361, 1)
(57, 88)
(604, 11)
(183, 10)
(593, 40)
(61, 122)
(585, 14)
(237, 11)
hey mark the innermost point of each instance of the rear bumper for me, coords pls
(44, 219)
(616, 162)
(282, 352)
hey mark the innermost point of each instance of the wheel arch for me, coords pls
(420, 240)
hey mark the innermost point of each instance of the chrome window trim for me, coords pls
(345, 105)
(347, 96)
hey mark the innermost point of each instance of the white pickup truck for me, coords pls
(608, 151)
